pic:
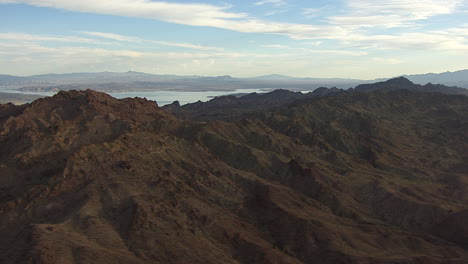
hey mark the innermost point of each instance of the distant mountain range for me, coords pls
(457, 78)
(138, 81)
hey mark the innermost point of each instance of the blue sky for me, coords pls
(346, 38)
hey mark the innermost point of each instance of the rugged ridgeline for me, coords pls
(231, 107)
(403, 83)
(375, 177)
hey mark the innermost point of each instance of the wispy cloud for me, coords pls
(392, 13)
(274, 2)
(412, 41)
(191, 14)
(421, 9)
(350, 29)
(336, 52)
(23, 48)
(181, 13)
(276, 46)
(275, 12)
(460, 31)
(186, 45)
(49, 38)
(70, 59)
(314, 43)
(124, 38)
(112, 36)
(387, 60)
(298, 51)
(315, 12)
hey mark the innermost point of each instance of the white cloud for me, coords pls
(311, 12)
(112, 36)
(22, 58)
(119, 37)
(460, 31)
(347, 29)
(116, 37)
(369, 21)
(191, 14)
(275, 46)
(315, 12)
(299, 51)
(336, 52)
(42, 38)
(272, 13)
(38, 50)
(387, 60)
(411, 41)
(186, 45)
(14, 49)
(420, 9)
(392, 13)
(274, 2)
(315, 43)
(294, 31)
(76, 59)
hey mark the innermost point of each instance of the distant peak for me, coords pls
(391, 84)
(281, 92)
(274, 77)
(399, 80)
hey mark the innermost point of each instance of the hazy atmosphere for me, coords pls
(347, 39)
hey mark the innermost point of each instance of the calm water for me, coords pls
(161, 97)
(167, 97)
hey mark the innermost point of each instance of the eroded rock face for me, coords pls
(354, 178)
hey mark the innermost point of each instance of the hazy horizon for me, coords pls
(358, 39)
(265, 75)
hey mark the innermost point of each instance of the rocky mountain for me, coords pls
(357, 177)
(230, 106)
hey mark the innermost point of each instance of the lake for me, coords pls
(161, 97)
(167, 97)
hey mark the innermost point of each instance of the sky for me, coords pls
(328, 39)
